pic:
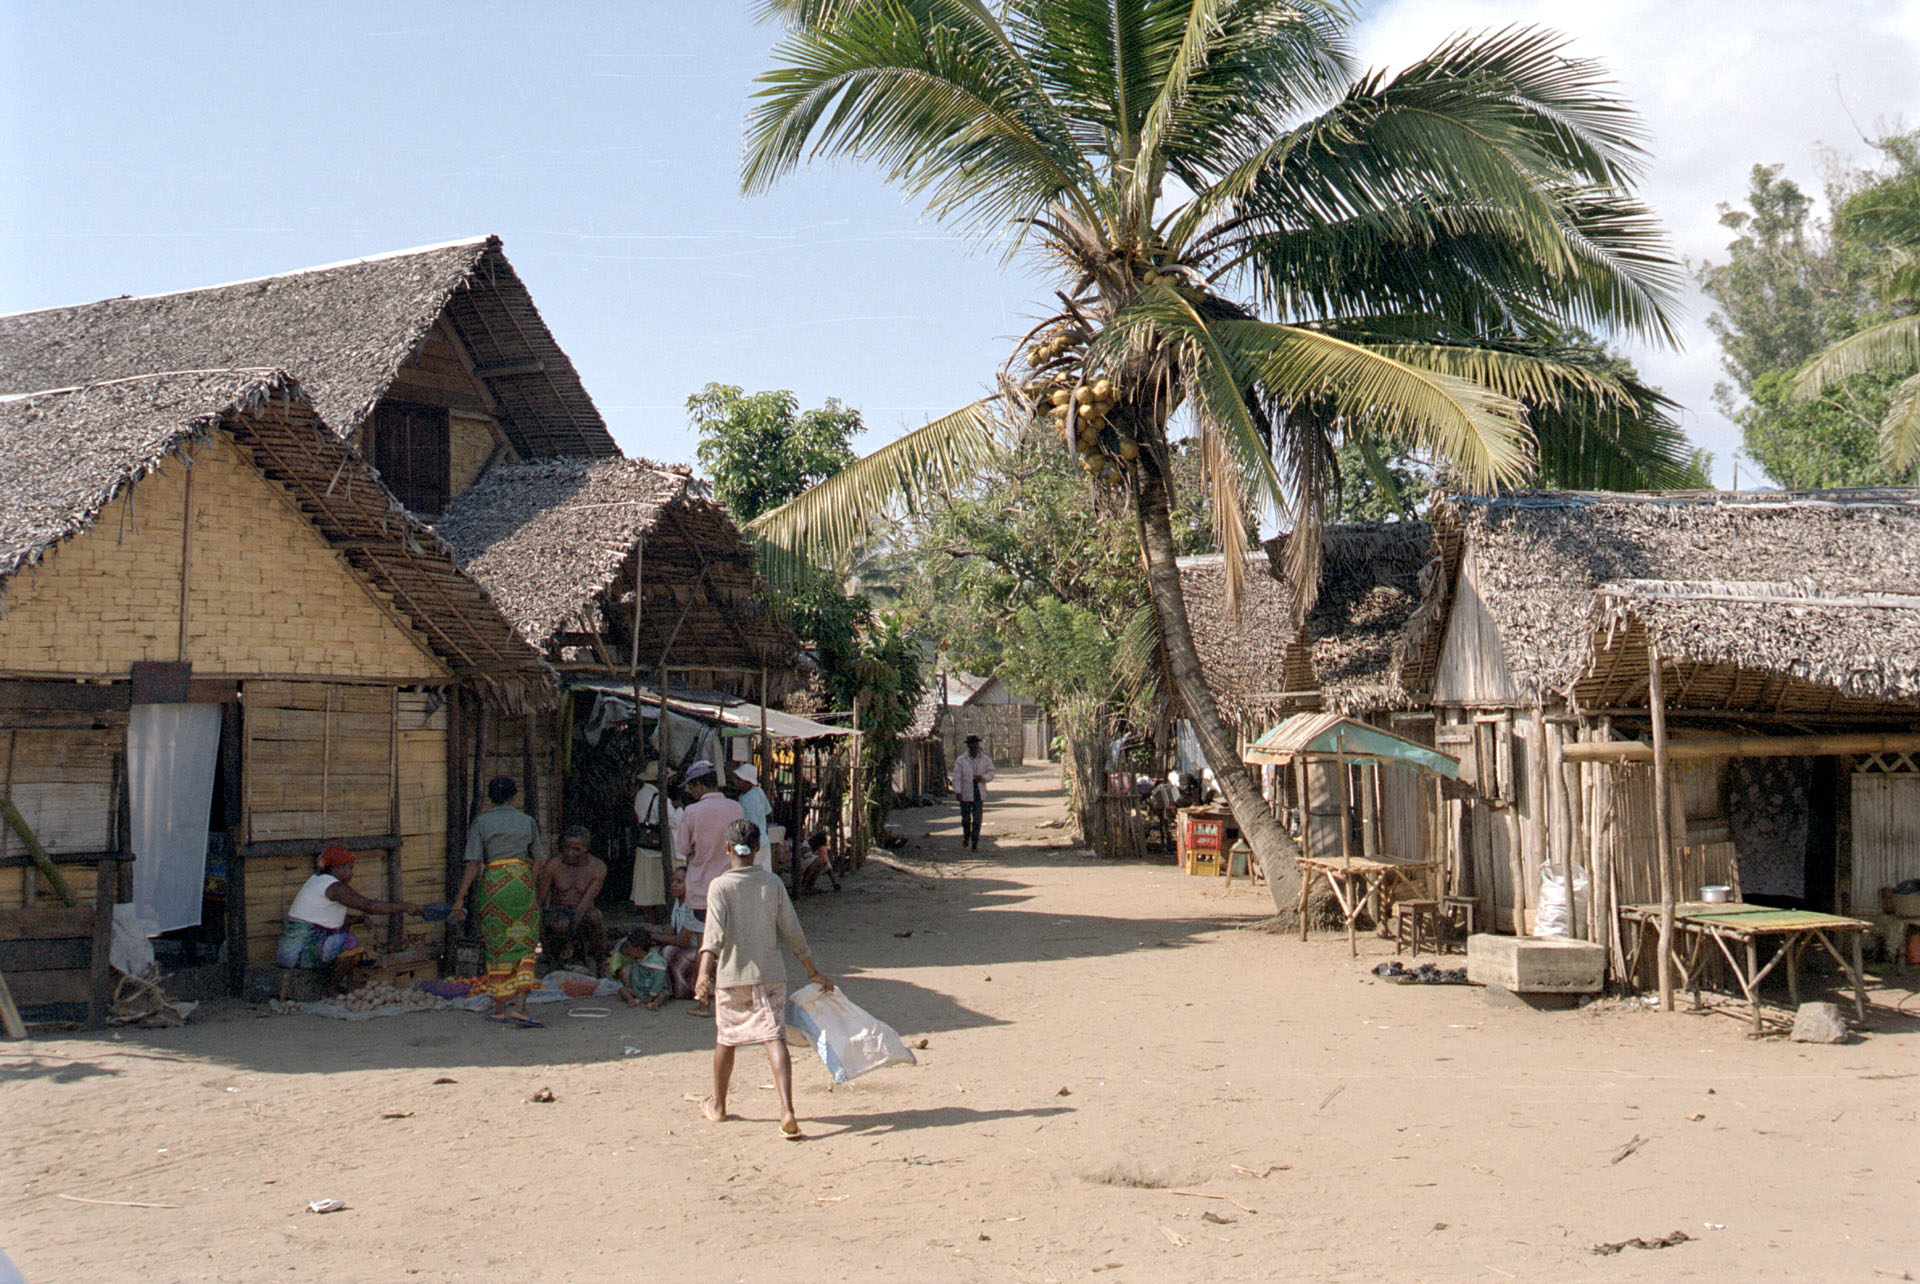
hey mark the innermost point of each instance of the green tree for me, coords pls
(760, 450)
(1885, 219)
(1246, 234)
(1792, 284)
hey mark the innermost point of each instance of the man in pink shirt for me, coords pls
(701, 839)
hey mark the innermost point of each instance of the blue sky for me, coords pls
(153, 147)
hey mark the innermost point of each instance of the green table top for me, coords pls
(1751, 918)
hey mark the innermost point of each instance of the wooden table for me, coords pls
(1736, 930)
(1358, 881)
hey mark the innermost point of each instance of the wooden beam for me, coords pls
(1836, 744)
(1662, 828)
(509, 369)
(65, 697)
(314, 846)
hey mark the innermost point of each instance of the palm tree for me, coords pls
(1247, 236)
(1889, 215)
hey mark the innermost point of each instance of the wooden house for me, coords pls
(1780, 634)
(432, 363)
(217, 618)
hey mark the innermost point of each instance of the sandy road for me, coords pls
(1101, 1038)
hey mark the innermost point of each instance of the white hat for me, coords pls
(747, 772)
(701, 770)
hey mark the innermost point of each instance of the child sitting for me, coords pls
(641, 970)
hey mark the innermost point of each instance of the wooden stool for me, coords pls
(1459, 915)
(1417, 923)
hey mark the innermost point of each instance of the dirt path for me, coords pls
(1100, 1038)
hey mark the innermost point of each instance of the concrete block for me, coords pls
(1533, 965)
(1820, 1023)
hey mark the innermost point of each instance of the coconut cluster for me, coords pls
(1076, 403)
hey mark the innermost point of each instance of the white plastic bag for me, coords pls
(1551, 919)
(129, 949)
(851, 1041)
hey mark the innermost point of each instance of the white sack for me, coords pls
(850, 1040)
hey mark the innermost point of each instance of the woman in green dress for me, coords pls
(501, 847)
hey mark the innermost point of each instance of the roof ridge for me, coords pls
(7, 397)
(270, 276)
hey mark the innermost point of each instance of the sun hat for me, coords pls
(748, 772)
(699, 771)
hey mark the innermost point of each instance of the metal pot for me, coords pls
(1716, 894)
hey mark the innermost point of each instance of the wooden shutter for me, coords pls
(410, 448)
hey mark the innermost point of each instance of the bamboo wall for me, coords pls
(527, 748)
(265, 593)
(332, 762)
(58, 768)
(471, 441)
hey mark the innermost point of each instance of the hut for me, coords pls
(1011, 727)
(560, 546)
(218, 621)
(1774, 634)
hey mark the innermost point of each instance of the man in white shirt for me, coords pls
(971, 772)
(754, 802)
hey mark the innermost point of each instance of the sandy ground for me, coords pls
(1120, 1080)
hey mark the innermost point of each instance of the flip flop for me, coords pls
(528, 1023)
(795, 1135)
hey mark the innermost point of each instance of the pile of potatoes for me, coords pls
(377, 994)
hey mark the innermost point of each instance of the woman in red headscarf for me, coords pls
(316, 932)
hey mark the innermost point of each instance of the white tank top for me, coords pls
(311, 905)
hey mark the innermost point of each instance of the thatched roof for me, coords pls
(344, 330)
(1370, 587)
(66, 454)
(554, 544)
(1251, 660)
(1861, 646)
(1809, 587)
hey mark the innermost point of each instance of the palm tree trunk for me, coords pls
(1271, 844)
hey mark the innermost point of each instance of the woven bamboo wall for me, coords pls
(60, 776)
(470, 444)
(266, 594)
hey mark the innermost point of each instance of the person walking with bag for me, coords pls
(749, 918)
(971, 772)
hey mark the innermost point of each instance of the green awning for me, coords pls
(1328, 735)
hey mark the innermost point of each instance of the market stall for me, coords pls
(1371, 879)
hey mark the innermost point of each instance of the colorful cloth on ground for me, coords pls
(309, 945)
(509, 927)
(749, 1014)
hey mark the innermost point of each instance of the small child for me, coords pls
(641, 970)
(748, 918)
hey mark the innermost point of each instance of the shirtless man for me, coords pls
(569, 919)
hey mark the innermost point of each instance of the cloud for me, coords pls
(1721, 85)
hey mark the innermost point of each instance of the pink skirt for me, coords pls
(750, 1014)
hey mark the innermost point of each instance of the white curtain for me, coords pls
(171, 753)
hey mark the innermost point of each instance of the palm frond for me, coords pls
(1891, 345)
(1900, 429)
(824, 522)
(933, 92)
(1477, 430)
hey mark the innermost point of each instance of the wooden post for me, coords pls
(396, 927)
(1662, 825)
(233, 802)
(1346, 845)
(186, 554)
(1306, 833)
(1540, 812)
(856, 808)
(106, 881)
